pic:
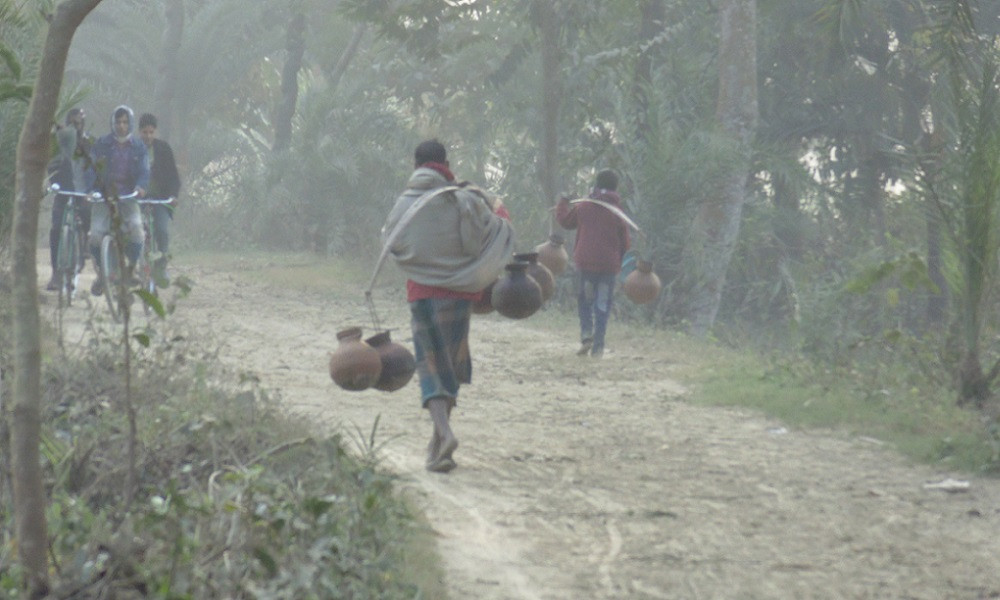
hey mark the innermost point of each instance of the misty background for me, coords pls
(820, 175)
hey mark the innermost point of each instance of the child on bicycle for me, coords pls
(122, 167)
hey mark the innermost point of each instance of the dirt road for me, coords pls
(587, 479)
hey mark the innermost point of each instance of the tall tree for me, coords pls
(547, 22)
(717, 223)
(32, 158)
(166, 83)
(295, 47)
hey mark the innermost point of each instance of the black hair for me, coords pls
(430, 151)
(146, 120)
(72, 113)
(606, 180)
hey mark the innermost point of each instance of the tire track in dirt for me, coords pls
(594, 479)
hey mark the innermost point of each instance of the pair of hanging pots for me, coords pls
(516, 295)
(520, 292)
(539, 272)
(377, 362)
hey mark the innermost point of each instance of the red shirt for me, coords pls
(602, 239)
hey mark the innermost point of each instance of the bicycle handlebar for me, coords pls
(98, 197)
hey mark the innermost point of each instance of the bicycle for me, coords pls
(109, 258)
(145, 270)
(71, 250)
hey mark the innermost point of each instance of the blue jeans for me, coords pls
(161, 228)
(594, 300)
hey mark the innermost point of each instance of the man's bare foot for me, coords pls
(447, 448)
(442, 465)
(433, 448)
(441, 461)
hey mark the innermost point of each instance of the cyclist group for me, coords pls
(116, 164)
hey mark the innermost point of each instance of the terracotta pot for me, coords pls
(540, 273)
(553, 254)
(484, 305)
(642, 285)
(398, 363)
(354, 365)
(516, 295)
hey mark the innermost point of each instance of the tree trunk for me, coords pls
(173, 12)
(295, 45)
(347, 55)
(32, 157)
(653, 15)
(788, 222)
(548, 26)
(717, 222)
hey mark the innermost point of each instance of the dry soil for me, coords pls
(595, 479)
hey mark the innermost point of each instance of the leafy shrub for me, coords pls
(234, 498)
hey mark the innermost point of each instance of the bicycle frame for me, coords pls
(109, 255)
(72, 246)
(111, 258)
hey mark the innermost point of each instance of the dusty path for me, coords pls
(584, 479)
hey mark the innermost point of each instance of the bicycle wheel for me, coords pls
(109, 271)
(65, 264)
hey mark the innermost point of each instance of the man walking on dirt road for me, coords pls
(452, 240)
(602, 239)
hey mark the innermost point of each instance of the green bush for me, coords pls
(234, 498)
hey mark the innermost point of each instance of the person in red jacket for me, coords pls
(602, 239)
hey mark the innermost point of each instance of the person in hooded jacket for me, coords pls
(451, 240)
(121, 166)
(602, 239)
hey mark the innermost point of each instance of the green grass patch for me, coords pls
(927, 428)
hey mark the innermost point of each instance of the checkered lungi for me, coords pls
(441, 340)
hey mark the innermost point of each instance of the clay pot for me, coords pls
(642, 285)
(516, 295)
(553, 254)
(398, 363)
(539, 272)
(354, 365)
(484, 305)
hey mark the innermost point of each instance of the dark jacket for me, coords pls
(164, 181)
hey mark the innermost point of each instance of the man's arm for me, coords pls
(172, 179)
(566, 214)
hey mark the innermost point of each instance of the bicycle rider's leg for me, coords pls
(132, 224)
(161, 233)
(83, 210)
(100, 223)
(58, 208)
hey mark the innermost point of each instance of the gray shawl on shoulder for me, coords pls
(452, 239)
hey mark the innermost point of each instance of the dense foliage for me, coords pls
(233, 502)
(851, 229)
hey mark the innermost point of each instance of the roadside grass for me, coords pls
(884, 399)
(234, 499)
